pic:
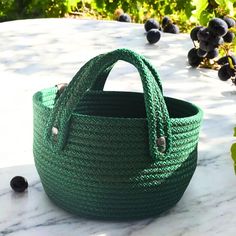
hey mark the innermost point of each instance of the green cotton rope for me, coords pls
(114, 155)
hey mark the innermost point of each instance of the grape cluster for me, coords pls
(207, 42)
(228, 68)
(153, 28)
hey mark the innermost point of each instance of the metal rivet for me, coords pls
(54, 133)
(60, 88)
(161, 142)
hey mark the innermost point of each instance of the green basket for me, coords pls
(114, 155)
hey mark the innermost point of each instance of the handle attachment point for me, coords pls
(161, 143)
(60, 88)
(55, 134)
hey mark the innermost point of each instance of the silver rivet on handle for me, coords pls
(161, 143)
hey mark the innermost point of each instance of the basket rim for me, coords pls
(198, 116)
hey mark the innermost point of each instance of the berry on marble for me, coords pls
(151, 24)
(165, 21)
(19, 184)
(153, 36)
(171, 28)
(223, 72)
(124, 18)
(193, 59)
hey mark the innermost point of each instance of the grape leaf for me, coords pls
(201, 5)
(233, 154)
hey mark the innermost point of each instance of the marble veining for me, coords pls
(36, 54)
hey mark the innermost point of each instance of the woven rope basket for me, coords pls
(114, 155)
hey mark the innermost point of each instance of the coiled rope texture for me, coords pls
(105, 162)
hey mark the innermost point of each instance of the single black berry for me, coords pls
(193, 33)
(165, 21)
(203, 34)
(223, 72)
(216, 41)
(218, 27)
(151, 24)
(206, 46)
(228, 38)
(193, 59)
(171, 28)
(212, 54)
(229, 21)
(201, 53)
(223, 60)
(124, 18)
(227, 59)
(153, 36)
(19, 184)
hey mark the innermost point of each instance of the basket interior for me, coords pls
(129, 105)
(119, 104)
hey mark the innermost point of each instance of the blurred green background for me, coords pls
(185, 13)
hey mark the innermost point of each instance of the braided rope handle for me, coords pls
(157, 114)
(100, 82)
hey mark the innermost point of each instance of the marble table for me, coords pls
(36, 54)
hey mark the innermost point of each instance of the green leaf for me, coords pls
(168, 10)
(188, 10)
(201, 5)
(233, 154)
(205, 17)
(100, 3)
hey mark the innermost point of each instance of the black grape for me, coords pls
(124, 18)
(227, 59)
(165, 21)
(212, 54)
(223, 60)
(229, 21)
(228, 38)
(223, 72)
(193, 33)
(171, 28)
(218, 27)
(203, 34)
(153, 36)
(215, 40)
(151, 24)
(206, 46)
(201, 53)
(193, 59)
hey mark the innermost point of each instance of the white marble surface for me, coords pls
(35, 54)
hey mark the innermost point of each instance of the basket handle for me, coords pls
(100, 82)
(158, 121)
